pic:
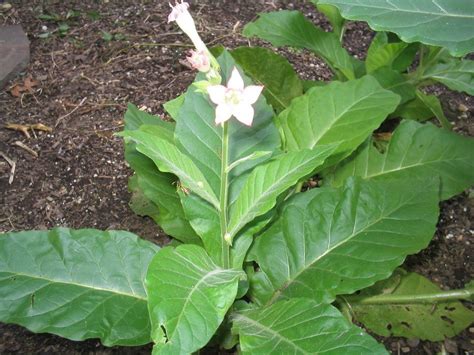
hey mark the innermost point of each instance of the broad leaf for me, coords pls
(338, 113)
(329, 242)
(415, 151)
(301, 326)
(414, 109)
(271, 70)
(425, 321)
(134, 118)
(446, 23)
(139, 203)
(168, 158)
(291, 28)
(173, 106)
(78, 284)
(188, 297)
(456, 75)
(267, 182)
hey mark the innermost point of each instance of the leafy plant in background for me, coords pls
(258, 263)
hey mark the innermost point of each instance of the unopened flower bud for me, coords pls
(199, 60)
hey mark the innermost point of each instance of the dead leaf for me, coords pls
(27, 86)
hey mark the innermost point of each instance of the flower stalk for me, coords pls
(224, 197)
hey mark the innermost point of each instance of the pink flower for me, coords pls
(235, 99)
(199, 60)
(183, 18)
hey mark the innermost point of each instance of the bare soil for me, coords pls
(84, 82)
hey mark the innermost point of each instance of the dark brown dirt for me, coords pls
(80, 178)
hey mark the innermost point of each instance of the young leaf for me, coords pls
(267, 182)
(381, 53)
(271, 70)
(291, 28)
(188, 297)
(334, 17)
(434, 105)
(201, 139)
(443, 23)
(457, 75)
(425, 321)
(414, 109)
(64, 281)
(300, 326)
(398, 83)
(168, 158)
(415, 151)
(328, 242)
(338, 113)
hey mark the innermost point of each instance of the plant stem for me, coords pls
(433, 297)
(223, 195)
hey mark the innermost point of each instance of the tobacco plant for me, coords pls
(289, 215)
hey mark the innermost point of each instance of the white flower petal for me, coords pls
(244, 113)
(235, 82)
(251, 94)
(217, 93)
(223, 113)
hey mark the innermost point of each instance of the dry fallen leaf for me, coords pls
(27, 86)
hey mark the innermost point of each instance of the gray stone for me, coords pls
(14, 52)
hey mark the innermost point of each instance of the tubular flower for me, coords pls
(199, 60)
(183, 18)
(235, 99)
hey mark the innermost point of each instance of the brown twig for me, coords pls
(12, 164)
(25, 147)
(70, 113)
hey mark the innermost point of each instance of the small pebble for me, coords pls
(462, 108)
(405, 349)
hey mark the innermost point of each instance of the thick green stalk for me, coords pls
(223, 195)
(433, 297)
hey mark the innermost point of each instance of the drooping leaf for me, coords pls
(328, 242)
(267, 182)
(291, 28)
(338, 113)
(78, 284)
(139, 203)
(271, 70)
(160, 189)
(456, 75)
(188, 297)
(301, 326)
(425, 321)
(445, 23)
(414, 109)
(415, 151)
(168, 158)
(201, 139)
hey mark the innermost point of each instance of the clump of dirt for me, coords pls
(115, 52)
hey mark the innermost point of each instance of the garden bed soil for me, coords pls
(80, 84)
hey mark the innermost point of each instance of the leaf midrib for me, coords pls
(271, 331)
(101, 289)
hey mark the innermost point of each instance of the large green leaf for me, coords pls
(291, 28)
(329, 241)
(201, 139)
(426, 321)
(134, 118)
(301, 326)
(188, 297)
(456, 75)
(268, 181)
(338, 113)
(446, 23)
(271, 70)
(398, 83)
(168, 158)
(381, 53)
(78, 284)
(415, 151)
